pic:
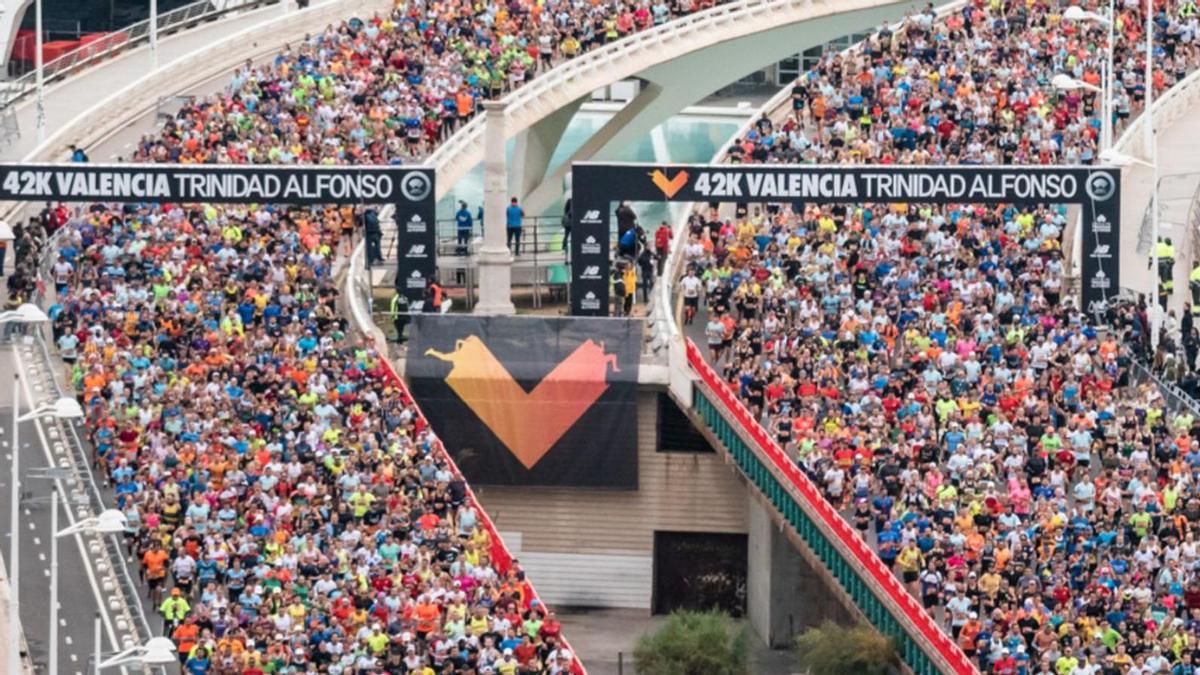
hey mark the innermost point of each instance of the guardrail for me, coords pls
(120, 41)
(923, 645)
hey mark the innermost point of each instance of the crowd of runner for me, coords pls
(290, 510)
(975, 88)
(928, 367)
(392, 87)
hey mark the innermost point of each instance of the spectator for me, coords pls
(514, 216)
(662, 245)
(374, 236)
(464, 225)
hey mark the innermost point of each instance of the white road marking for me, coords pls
(37, 541)
(68, 640)
(101, 601)
(42, 557)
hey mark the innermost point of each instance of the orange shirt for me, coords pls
(185, 636)
(155, 562)
(427, 615)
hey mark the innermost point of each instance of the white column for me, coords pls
(1152, 157)
(41, 75)
(53, 647)
(495, 260)
(154, 34)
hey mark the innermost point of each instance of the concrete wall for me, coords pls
(595, 548)
(784, 594)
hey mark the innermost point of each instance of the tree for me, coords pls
(833, 649)
(694, 643)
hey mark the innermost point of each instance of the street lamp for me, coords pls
(1068, 83)
(1120, 159)
(159, 651)
(26, 313)
(1077, 13)
(110, 521)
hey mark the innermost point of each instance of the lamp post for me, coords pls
(107, 522)
(39, 62)
(1077, 13)
(159, 651)
(154, 34)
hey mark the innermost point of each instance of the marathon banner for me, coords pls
(599, 186)
(215, 183)
(409, 189)
(547, 401)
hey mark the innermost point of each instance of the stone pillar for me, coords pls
(785, 595)
(495, 261)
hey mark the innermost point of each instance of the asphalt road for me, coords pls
(85, 580)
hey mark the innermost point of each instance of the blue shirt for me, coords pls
(463, 218)
(512, 216)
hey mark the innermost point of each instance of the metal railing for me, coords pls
(120, 41)
(1174, 397)
(539, 235)
(848, 558)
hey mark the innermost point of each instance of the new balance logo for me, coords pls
(416, 251)
(590, 272)
(592, 216)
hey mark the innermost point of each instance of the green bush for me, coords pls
(833, 649)
(694, 643)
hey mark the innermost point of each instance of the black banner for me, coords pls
(215, 183)
(531, 400)
(409, 189)
(1096, 190)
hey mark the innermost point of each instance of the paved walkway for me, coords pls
(66, 99)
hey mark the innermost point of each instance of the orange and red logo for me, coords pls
(528, 423)
(669, 186)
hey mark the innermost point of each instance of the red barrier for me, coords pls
(863, 554)
(501, 557)
(55, 49)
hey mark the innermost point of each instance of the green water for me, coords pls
(684, 138)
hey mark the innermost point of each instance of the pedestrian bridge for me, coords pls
(678, 64)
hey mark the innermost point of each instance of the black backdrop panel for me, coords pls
(1096, 190)
(531, 400)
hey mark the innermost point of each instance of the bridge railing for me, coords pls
(878, 594)
(120, 41)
